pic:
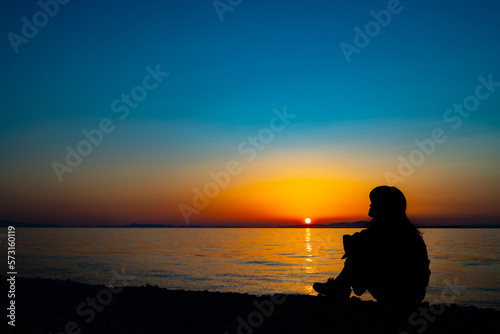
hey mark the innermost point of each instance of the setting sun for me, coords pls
(308, 220)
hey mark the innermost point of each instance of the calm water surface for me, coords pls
(465, 263)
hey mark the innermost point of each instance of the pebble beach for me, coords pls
(57, 306)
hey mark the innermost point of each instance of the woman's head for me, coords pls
(387, 202)
(388, 210)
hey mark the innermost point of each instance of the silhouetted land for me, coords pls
(356, 224)
(55, 306)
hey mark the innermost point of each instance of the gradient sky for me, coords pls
(354, 121)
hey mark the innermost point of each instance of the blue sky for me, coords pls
(226, 77)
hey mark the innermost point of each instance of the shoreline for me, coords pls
(56, 306)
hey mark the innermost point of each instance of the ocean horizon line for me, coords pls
(355, 224)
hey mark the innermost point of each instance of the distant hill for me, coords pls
(356, 224)
(5, 223)
(364, 224)
(461, 226)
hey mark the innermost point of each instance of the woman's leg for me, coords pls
(355, 274)
(352, 275)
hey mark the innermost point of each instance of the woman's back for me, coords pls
(402, 254)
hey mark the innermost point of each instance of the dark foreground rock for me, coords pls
(54, 306)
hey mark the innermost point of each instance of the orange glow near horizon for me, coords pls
(277, 190)
(285, 200)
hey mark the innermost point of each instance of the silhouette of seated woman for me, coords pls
(389, 258)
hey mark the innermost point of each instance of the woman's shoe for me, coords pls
(358, 289)
(333, 288)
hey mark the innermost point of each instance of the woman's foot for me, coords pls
(358, 289)
(333, 288)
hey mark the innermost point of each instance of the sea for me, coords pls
(465, 263)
